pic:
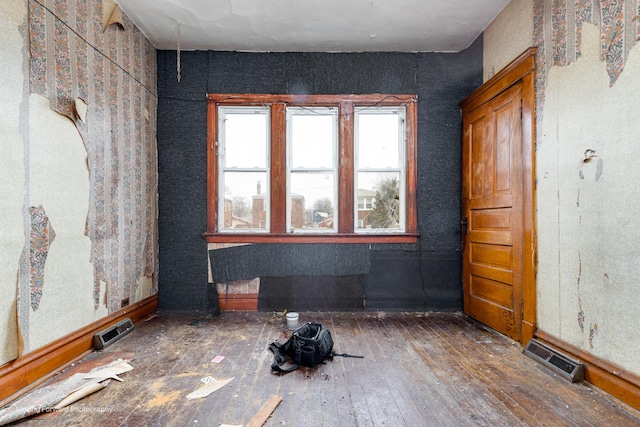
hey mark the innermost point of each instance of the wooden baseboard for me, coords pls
(26, 372)
(238, 302)
(621, 384)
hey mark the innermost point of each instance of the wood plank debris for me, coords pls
(265, 412)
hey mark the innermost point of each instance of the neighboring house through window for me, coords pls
(366, 200)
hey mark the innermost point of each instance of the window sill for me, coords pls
(310, 238)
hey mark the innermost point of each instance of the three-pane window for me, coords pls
(313, 168)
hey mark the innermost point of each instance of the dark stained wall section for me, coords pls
(281, 260)
(422, 276)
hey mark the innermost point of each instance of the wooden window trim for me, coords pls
(278, 167)
(345, 167)
(346, 104)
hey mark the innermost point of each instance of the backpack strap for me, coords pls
(280, 358)
(333, 354)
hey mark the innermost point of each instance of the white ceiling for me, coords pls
(313, 26)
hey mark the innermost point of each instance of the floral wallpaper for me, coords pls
(558, 29)
(41, 237)
(112, 71)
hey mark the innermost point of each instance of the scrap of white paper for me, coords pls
(209, 388)
(207, 380)
(79, 394)
(110, 371)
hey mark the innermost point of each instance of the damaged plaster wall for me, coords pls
(12, 172)
(59, 181)
(111, 69)
(589, 260)
(588, 78)
(79, 192)
(94, 172)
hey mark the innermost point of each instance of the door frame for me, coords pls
(520, 70)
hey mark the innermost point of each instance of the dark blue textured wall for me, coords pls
(424, 276)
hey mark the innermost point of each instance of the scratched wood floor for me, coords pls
(420, 369)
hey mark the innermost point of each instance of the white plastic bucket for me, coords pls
(292, 320)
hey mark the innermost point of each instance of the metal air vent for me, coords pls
(554, 360)
(112, 334)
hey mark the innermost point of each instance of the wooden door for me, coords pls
(492, 202)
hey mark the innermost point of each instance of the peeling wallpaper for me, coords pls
(95, 178)
(114, 72)
(59, 181)
(41, 235)
(588, 257)
(557, 26)
(588, 80)
(558, 31)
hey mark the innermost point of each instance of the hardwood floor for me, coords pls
(419, 369)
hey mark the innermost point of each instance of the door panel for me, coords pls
(501, 275)
(491, 219)
(494, 255)
(502, 162)
(492, 204)
(491, 291)
(478, 159)
(490, 225)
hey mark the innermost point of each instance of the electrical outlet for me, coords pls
(124, 303)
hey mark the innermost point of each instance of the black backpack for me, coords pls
(309, 345)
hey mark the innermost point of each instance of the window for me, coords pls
(313, 168)
(379, 176)
(243, 161)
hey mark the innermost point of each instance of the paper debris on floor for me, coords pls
(77, 386)
(81, 393)
(211, 385)
(44, 399)
(111, 370)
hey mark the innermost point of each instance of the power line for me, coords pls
(94, 47)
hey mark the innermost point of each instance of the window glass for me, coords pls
(245, 200)
(312, 201)
(379, 178)
(312, 171)
(245, 136)
(312, 138)
(379, 201)
(243, 177)
(378, 135)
